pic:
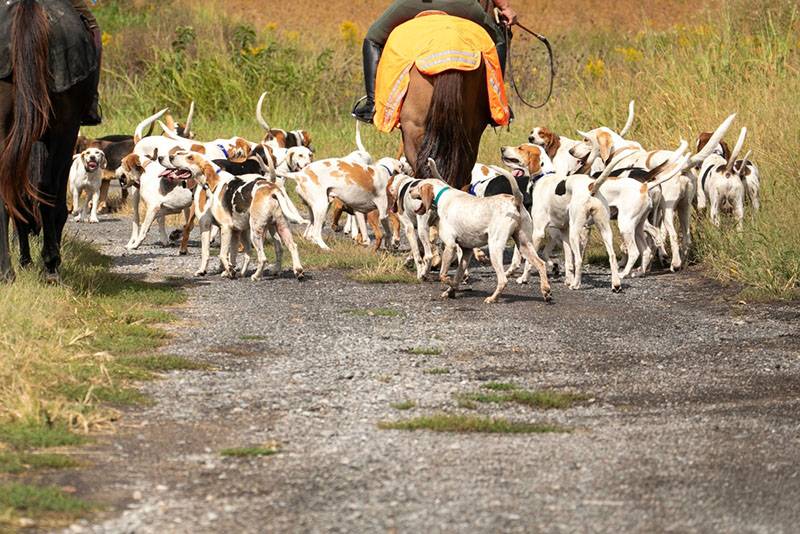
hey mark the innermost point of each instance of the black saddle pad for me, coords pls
(72, 56)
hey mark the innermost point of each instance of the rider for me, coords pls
(92, 117)
(478, 11)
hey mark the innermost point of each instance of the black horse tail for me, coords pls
(31, 112)
(446, 140)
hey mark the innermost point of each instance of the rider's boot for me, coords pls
(93, 117)
(364, 110)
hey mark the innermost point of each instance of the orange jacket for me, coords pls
(435, 42)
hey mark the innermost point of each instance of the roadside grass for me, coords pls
(499, 386)
(71, 352)
(547, 400)
(425, 351)
(405, 405)
(255, 451)
(444, 422)
(437, 371)
(253, 338)
(16, 462)
(47, 505)
(733, 51)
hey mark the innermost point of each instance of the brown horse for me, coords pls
(38, 129)
(443, 118)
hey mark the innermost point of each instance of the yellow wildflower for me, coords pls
(630, 55)
(595, 67)
(106, 38)
(349, 32)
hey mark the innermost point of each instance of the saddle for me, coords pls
(435, 42)
(72, 57)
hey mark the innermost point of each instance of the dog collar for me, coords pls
(223, 151)
(538, 177)
(404, 189)
(390, 171)
(439, 195)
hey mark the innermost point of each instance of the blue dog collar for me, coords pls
(224, 151)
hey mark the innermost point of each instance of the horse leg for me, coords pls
(6, 104)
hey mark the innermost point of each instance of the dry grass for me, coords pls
(444, 422)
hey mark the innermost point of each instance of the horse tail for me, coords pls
(446, 140)
(31, 112)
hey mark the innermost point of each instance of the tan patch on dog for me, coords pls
(203, 198)
(262, 194)
(241, 149)
(643, 189)
(605, 141)
(534, 157)
(200, 149)
(552, 142)
(314, 178)
(358, 175)
(130, 162)
(326, 163)
(212, 179)
(170, 122)
(649, 159)
(306, 138)
(426, 195)
(705, 137)
(280, 137)
(484, 171)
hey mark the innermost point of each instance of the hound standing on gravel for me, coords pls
(86, 176)
(473, 222)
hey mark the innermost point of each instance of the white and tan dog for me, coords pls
(562, 205)
(751, 174)
(724, 185)
(470, 222)
(417, 227)
(234, 203)
(86, 176)
(360, 187)
(163, 193)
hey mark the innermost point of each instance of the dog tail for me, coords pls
(713, 141)
(359, 143)
(288, 208)
(259, 115)
(736, 150)
(138, 134)
(594, 187)
(681, 166)
(170, 133)
(744, 164)
(627, 127)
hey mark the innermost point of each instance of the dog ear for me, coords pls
(534, 161)
(605, 143)
(390, 198)
(552, 142)
(426, 195)
(290, 161)
(104, 161)
(726, 150)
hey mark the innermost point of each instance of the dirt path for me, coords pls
(694, 422)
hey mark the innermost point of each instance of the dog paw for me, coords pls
(490, 300)
(94, 220)
(200, 273)
(299, 274)
(573, 287)
(548, 297)
(522, 280)
(616, 289)
(183, 252)
(255, 277)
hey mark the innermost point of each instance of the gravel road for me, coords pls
(692, 422)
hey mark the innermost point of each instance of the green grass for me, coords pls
(35, 500)
(405, 405)
(375, 312)
(15, 463)
(249, 452)
(437, 371)
(499, 386)
(425, 351)
(536, 399)
(82, 348)
(468, 424)
(33, 435)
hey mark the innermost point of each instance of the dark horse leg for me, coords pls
(6, 271)
(69, 107)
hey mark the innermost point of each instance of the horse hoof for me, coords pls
(52, 278)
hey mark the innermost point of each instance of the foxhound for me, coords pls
(86, 176)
